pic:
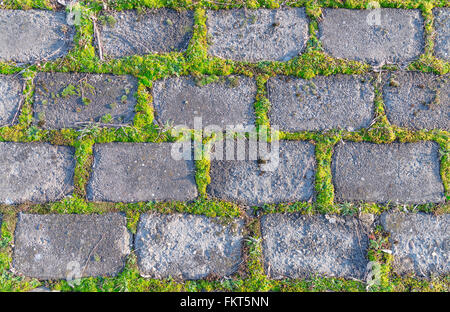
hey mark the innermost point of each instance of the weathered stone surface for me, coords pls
(10, 98)
(228, 101)
(417, 100)
(69, 100)
(70, 246)
(187, 246)
(248, 181)
(341, 101)
(35, 172)
(420, 242)
(354, 34)
(442, 27)
(298, 246)
(161, 30)
(399, 173)
(132, 172)
(34, 35)
(257, 35)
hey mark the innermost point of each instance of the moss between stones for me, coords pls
(196, 62)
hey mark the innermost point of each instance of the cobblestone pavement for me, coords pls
(128, 151)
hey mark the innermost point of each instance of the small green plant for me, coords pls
(69, 90)
(86, 101)
(106, 118)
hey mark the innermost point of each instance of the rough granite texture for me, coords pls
(35, 172)
(397, 173)
(288, 178)
(417, 100)
(34, 35)
(10, 98)
(70, 246)
(442, 28)
(420, 242)
(187, 246)
(333, 102)
(133, 172)
(229, 101)
(299, 246)
(161, 30)
(257, 35)
(69, 100)
(347, 34)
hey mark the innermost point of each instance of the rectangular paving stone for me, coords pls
(333, 102)
(10, 98)
(442, 28)
(161, 30)
(187, 246)
(229, 101)
(417, 100)
(396, 173)
(420, 243)
(133, 172)
(35, 172)
(299, 246)
(70, 100)
(247, 182)
(70, 246)
(355, 35)
(34, 35)
(257, 35)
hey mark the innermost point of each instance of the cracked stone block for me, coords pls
(158, 31)
(257, 35)
(442, 28)
(228, 101)
(420, 242)
(417, 100)
(281, 175)
(35, 172)
(333, 102)
(396, 37)
(70, 246)
(70, 100)
(34, 35)
(134, 172)
(397, 173)
(10, 98)
(300, 246)
(188, 246)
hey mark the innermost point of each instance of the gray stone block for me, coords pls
(397, 173)
(35, 172)
(187, 246)
(356, 35)
(70, 246)
(257, 35)
(161, 30)
(420, 242)
(442, 27)
(228, 101)
(333, 102)
(10, 98)
(34, 35)
(417, 100)
(291, 179)
(299, 246)
(69, 100)
(133, 172)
